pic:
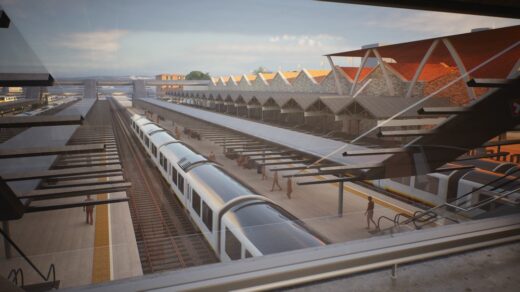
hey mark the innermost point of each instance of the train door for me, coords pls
(188, 195)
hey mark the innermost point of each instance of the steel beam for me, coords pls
(86, 176)
(300, 167)
(329, 181)
(452, 168)
(33, 209)
(336, 170)
(78, 183)
(283, 162)
(47, 194)
(358, 73)
(460, 65)
(336, 77)
(59, 172)
(42, 151)
(275, 158)
(405, 133)
(40, 121)
(490, 82)
(385, 74)
(421, 66)
(443, 110)
(375, 151)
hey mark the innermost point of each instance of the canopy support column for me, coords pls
(460, 66)
(336, 77)
(340, 199)
(421, 66)
(358, 73)
(389, 84)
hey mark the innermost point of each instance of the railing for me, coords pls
(418, 216)
(52, 268)
(14, 273)
(300, 267)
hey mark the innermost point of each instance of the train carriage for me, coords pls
(236, 221)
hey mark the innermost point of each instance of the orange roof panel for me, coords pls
(351, 72)
(430, 71)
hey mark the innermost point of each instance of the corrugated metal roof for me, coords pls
(337, 103)
(384, 107)
(305, 143)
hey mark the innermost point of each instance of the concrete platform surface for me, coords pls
(63, 238)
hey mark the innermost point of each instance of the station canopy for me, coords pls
(473, 49)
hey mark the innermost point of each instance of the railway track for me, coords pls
(166, 237)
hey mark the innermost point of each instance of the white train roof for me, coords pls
(161, 138)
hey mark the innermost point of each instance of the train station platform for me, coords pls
(316, 205)
(77, 249)
(81, 253)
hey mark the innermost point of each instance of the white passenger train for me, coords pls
(236, 221)
(468, 187)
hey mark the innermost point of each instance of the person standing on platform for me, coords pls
(89, 210)
(275, 181)
(289, 187)
(177, 133)
(264, 172)
(370, 212)
(212, 156)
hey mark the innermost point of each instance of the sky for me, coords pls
(77, 38)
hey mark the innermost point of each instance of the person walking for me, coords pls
(370, 212)
(89, 210)
(289, 187)
(276, 182)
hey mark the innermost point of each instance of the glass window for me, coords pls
(181, 184)
(195, 203)
(233, 246)
(427, 183)
(174, 175)
(154, 151)
(207, 215)
(248, 254)
(165, 164)
(402, 180)
(147, 141)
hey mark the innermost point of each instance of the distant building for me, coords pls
(169, 89)
(10, 90)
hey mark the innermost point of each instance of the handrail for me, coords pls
(16, 272)
(51, 268)
(419, 214)
(451, 204)
(383, 217)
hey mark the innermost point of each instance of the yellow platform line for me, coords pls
(101, 259)
(101, 265)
